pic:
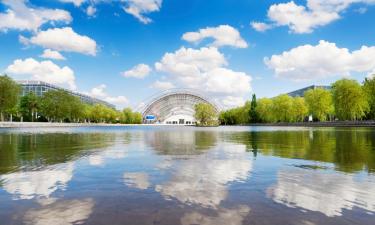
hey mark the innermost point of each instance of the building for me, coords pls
(301, 92)
(176, 106)
(40, 87)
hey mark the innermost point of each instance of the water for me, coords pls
(186, 175)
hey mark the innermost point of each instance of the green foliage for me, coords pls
(205, 114)
(283, 108)
(254, 116)
(239, 115)
(369, 88)
(29, 106)
(349, 99)
(319, 102)
(265, 110)
(56, 105)
(9, 94)
(299, 109)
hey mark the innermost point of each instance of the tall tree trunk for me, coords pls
(11, 117)
(2, 116)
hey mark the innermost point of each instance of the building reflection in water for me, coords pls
(324, 191)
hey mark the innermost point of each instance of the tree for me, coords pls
(283, 108)
(127, 116)
(319, 103)
(369, 88)
(9, 94)
(254, 117)
(265, 110)
(56, 105)
(29, 105)
(349, 99)
(205, 114)
(300, 109)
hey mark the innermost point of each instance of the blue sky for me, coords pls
(125, 51)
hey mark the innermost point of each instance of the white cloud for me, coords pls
(91, 10)
(38, 184)
(100, 92)
(67, 212)
(137, 180)
(259, 26)
(50, 54)
(162, 85)
(138, 8)
(231, 101)
(334, 194)
(63, 39)
(223, 35)
(21, 17)
(44, 71)
(324, 60)
(316, 13)
(204, 69)
(75, 2)
(139, 71)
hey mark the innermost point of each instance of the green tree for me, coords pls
(29, 106)
(9, 94)
(300, 109)
(283, 108)
(205, 114)
(319, 102)
(56, 105)
(127, 116)
(265, 110)
(137, 118)
(369, 88)
(254, 116)
(349, 99)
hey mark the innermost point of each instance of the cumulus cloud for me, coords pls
(223, 35)
(21, 17)
(324, 60)
(100, 92)
(204, 69)
(138, 8)
(139, 71)
(63, 39)
(67, 212)
(45, 71)
(38, 184)
(91, 10)
(259, 26)
(304, 19)
(75, 2)
(162, 85)
(50, 54)
(137, 180)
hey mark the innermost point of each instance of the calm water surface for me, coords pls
(170, 175)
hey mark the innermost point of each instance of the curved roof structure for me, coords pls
(175, 105)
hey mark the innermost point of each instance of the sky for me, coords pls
(126, 51)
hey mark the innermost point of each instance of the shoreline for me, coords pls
(300, 124)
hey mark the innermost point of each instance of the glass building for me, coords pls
(301, 92)
(40, 87)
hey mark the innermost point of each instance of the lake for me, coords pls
(186, 175)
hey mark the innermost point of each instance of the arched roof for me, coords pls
(175, 102)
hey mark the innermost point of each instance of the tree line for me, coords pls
(347, 100)
(56, 106)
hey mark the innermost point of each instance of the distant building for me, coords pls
(40, 87)
(301, 92)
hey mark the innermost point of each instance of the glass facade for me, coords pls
(39, 88)
(301, 92)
